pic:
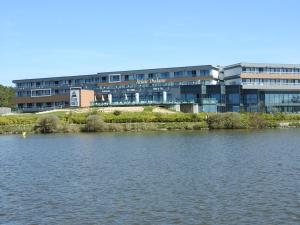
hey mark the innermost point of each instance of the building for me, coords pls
(247, 87)
(264, 87)
(153, 86)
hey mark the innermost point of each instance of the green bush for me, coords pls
(47, 124)
(117, 112)
(225, 121)
(256, 120)
(294, 124)
(94, 123)
(78, 118)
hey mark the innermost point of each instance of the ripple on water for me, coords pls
(153, 178)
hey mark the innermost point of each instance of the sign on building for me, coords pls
(74, 98)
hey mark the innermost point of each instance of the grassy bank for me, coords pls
(95, 121)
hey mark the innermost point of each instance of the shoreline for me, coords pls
(96, 121)
(136, 127)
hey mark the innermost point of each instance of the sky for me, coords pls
(74, 37)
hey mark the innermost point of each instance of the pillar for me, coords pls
(109, 97)
(165, 96)
(137, 97)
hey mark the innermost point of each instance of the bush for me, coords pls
(115, 127)
(225, 121)
(78, 118)
(95, 123)
(117, 112)
(294, 124)
(255, 120)
(47, 124)
(69, 128)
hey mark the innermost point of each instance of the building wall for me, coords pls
(53, 98)
(86, 97)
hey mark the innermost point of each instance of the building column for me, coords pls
(109, 97)
(165, 96)
(137, 97)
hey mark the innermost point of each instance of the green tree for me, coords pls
(6, 95)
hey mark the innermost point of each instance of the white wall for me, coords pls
(214, 73)
(232, 72)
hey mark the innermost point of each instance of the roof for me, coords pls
(264, 65)
(116, 72)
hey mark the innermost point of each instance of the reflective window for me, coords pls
(179, 74)
(234, 98)
(164, 75)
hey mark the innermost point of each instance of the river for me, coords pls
(205, 177)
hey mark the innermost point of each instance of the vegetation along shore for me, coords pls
(94, 120)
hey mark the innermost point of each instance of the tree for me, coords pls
(6, 95)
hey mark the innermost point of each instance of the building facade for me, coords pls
(240, 87)
(265, 87)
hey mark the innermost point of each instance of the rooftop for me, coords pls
(119, 72)
(264, 65)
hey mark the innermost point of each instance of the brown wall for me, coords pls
(270, 76)
(86, 97)
(53, 98)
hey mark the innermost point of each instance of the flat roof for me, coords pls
(268, 65)
(118, 72)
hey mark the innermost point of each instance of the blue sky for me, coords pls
(70, 37)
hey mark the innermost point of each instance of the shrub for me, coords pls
(294, 124)
(225, 121)
(69, 128)
(255, 120)
(78, 118)
(115, 127)
(117, 112)
(95, 123)
(93, 112)
(48, 124)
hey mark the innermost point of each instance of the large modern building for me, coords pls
(239, 87)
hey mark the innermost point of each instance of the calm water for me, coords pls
(223, 177)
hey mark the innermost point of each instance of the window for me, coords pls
(140, 76)
(192, 73)
(40, 92)
(179, 74)
(204, 73)
(234, 99)
(164, 75)
(103, 79)
(114, 78)
(251, 99)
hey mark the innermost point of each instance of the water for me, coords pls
(222, 177)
